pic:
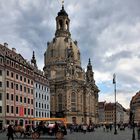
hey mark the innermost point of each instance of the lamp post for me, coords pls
(114, 82)
(133, 123)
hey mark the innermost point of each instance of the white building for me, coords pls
(41, 93)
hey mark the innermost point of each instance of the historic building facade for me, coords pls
(101, 111)
(135, 107)
(107, 113)
(73, 91)
(18, 80)
(41, 92)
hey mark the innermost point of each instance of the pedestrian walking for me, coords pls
(84, 128)
(104, 127)
(10, 132)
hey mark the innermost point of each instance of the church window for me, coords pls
(60, 107)
(73, 97)
(66, 25)
(60, 102)
(61, 24)
(60, 98)
(51, 53)
(73, 102)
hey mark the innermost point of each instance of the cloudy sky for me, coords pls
(107, 31)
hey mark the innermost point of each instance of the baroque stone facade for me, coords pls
(74, 94)
(135, 107)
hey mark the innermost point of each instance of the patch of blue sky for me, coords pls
(106, 87)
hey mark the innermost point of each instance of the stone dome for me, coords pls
(62, 56)
(60, 49)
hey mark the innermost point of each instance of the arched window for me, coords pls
(73, 101)
(66, 25)
(73, 97)
(52, 53)
(61, 24)
(60, 102)
(60, 98)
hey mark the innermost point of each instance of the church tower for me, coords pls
(33, 60)
(67, 79)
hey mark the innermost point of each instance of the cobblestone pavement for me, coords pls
(97, 135)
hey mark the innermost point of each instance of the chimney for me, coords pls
(6, 44)
(14, 50)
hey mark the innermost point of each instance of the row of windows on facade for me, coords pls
(109, 119)
(38, 95)
(42, 114)
(38, 105)
(17, 98)
(108, 115)
(39, 87)
(19, 67)
(44, 97)
(18, 87)
(19, 77)
(12, 109)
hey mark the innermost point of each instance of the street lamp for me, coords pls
(133, 123)
(114, 82)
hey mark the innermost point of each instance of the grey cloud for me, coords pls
(120, 55)
(99, 26)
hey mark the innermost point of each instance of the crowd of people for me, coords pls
(81, 127)
(72, 127)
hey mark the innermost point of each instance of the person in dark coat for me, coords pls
(56, 127)
(10, 132)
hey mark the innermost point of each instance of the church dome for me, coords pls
(59, 50)
(62, 56)
(62, 48)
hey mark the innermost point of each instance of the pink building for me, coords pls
(16, 87)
